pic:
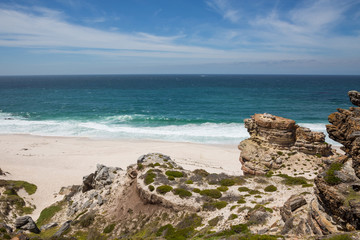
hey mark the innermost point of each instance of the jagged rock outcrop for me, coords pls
(271, 135)
(337, 188)
(63, 229)
(103, 176)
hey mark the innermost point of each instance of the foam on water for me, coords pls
(121, 127)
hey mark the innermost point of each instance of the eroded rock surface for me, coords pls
(271, 137)
(337, 188)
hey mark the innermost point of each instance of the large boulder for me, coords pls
(26, 223)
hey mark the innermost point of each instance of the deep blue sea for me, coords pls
(190, 108)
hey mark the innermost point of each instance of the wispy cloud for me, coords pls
(224, 8)
(45, 29)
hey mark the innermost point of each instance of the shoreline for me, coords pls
(52, 162)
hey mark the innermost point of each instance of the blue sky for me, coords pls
(179, 36)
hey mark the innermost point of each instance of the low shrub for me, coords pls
(227, 182)
(211, 206)
(109, 228)
(149, 177)
(151, 188)
(175, 174)
(330, 177)
(201, 172)
(222, 188)
(243, 189)
(270, 188)
(340, 237)
(233, 216)
(213, 193)
(196, 190)
(189, 182)
(213, 222)
(288, 180)
(182, 192)
(164, 189)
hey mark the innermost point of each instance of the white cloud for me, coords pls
(224, 8)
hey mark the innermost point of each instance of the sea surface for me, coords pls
(183, 108)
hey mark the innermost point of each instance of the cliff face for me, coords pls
(337, 188)
(271, 135)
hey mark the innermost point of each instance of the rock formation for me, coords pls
(337, 188)
(270, 136)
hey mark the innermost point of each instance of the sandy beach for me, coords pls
(54, 162)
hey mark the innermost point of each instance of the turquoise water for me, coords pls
(191, 108)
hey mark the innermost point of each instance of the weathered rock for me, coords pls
(293, 203)
(63, 229)
(20, 236)
(268, 135)
(88, 182)
(354, 97)
(26, 223)
(48, 226)
(8, 228)
(257, 216)
(338, 191)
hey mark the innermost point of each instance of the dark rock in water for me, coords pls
(26, 223)
(48, 226)
(354, 97)
(62, 229)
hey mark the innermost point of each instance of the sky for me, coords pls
(49, 37)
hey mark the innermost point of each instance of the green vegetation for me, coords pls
(87, 219)
(211, 206)
(149, 177)
(15, 186)
(292, 180)
(280, 153)
(213, 193)
(233, 216)
(196, 190)
(151, 188)
(270, 188)
(175, 174)
(340, 237)
(184, 230)
(189, 182)
(242, 200)
(227, 182)
(243, 189)
(269, 174)
(164, 189)
(236, 229)
(330, 177)
(182, 192)
(47, 213)
(213, 222)
(257, 206)
(140, 166)
(307, 185)
(222, 188)
(318, 155)
(171, 178)
(253, 192)
(109, 228)
(201, 172)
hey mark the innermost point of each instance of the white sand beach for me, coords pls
(54, 162)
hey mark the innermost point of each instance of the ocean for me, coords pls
(182, 108)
